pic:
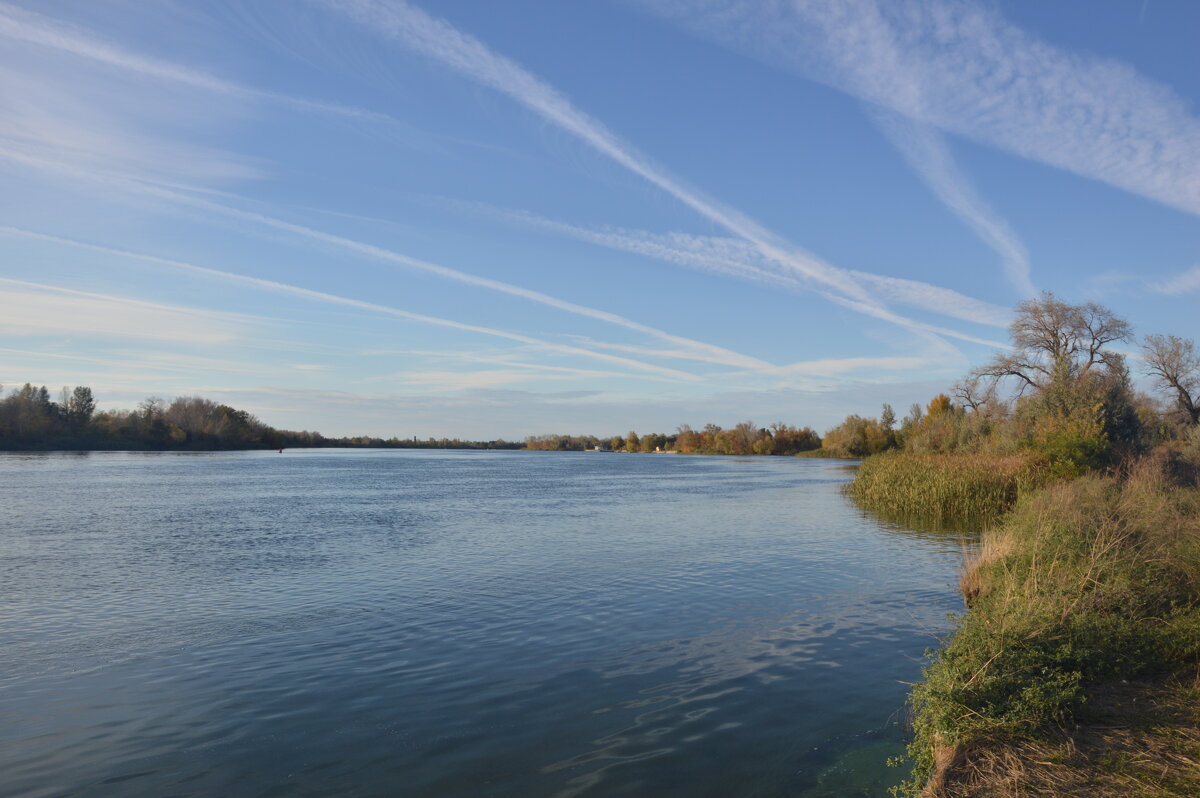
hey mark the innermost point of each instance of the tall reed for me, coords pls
(944, 488)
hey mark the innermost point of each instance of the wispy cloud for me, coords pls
(925, 150)
(960, 67)
(434, 37)
(320, 296)
(732, 257)
(1182, 283)
(691, 349)
(830, 367)
(36, 309)
(83, 120)
(437, 39)
(921, 144)
(464, 53)
(150, 361)
(448, 380)
(28, 26)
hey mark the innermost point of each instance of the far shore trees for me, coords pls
(744, 438)
(29, 420)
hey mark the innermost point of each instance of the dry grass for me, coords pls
(978, 562)
(1085, 584)
(1139, 739)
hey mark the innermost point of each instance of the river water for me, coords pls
(436, 623)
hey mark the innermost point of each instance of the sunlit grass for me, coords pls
(944, 488)
(1085, 583)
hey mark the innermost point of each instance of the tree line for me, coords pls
(742, 439)
(1061, 392)
(30, 419)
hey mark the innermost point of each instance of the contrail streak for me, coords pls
(321, 296)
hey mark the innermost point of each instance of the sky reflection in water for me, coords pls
(441, 623)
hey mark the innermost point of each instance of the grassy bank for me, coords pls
(968, 489)
(1131, 738)
(1083, 585)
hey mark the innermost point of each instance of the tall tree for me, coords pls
(1175, 365)
(1051, 337)
(80, 405)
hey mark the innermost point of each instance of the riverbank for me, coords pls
(1074, 669)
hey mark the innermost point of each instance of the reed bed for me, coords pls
(971, 489)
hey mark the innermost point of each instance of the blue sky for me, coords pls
(496, 219)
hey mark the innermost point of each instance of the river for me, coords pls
(454, 623)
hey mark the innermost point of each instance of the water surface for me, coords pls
(436, 623)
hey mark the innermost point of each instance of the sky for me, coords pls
(477, 219)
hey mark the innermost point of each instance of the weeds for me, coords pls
(1085, 583)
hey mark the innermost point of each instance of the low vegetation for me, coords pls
(1085, 585)
(961, 489)
(1133, 738)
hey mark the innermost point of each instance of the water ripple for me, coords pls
(454, 624)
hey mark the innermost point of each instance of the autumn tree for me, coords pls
(686, 439)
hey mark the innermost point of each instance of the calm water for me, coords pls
(453, 624)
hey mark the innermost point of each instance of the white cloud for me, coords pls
(960, 67)
(321, 296)
(733, 257)
(28, 26)
(691, 349)
(1182, 283)
(829, 367)
(925, 150)
(437, 39)
(36, 309)
(86, 122)
(446, 380)
(440, 41)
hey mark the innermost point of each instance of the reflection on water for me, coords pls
(455, 623)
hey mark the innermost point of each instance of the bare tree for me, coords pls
(974, 392)
(1049, 335)
(1175, 365)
